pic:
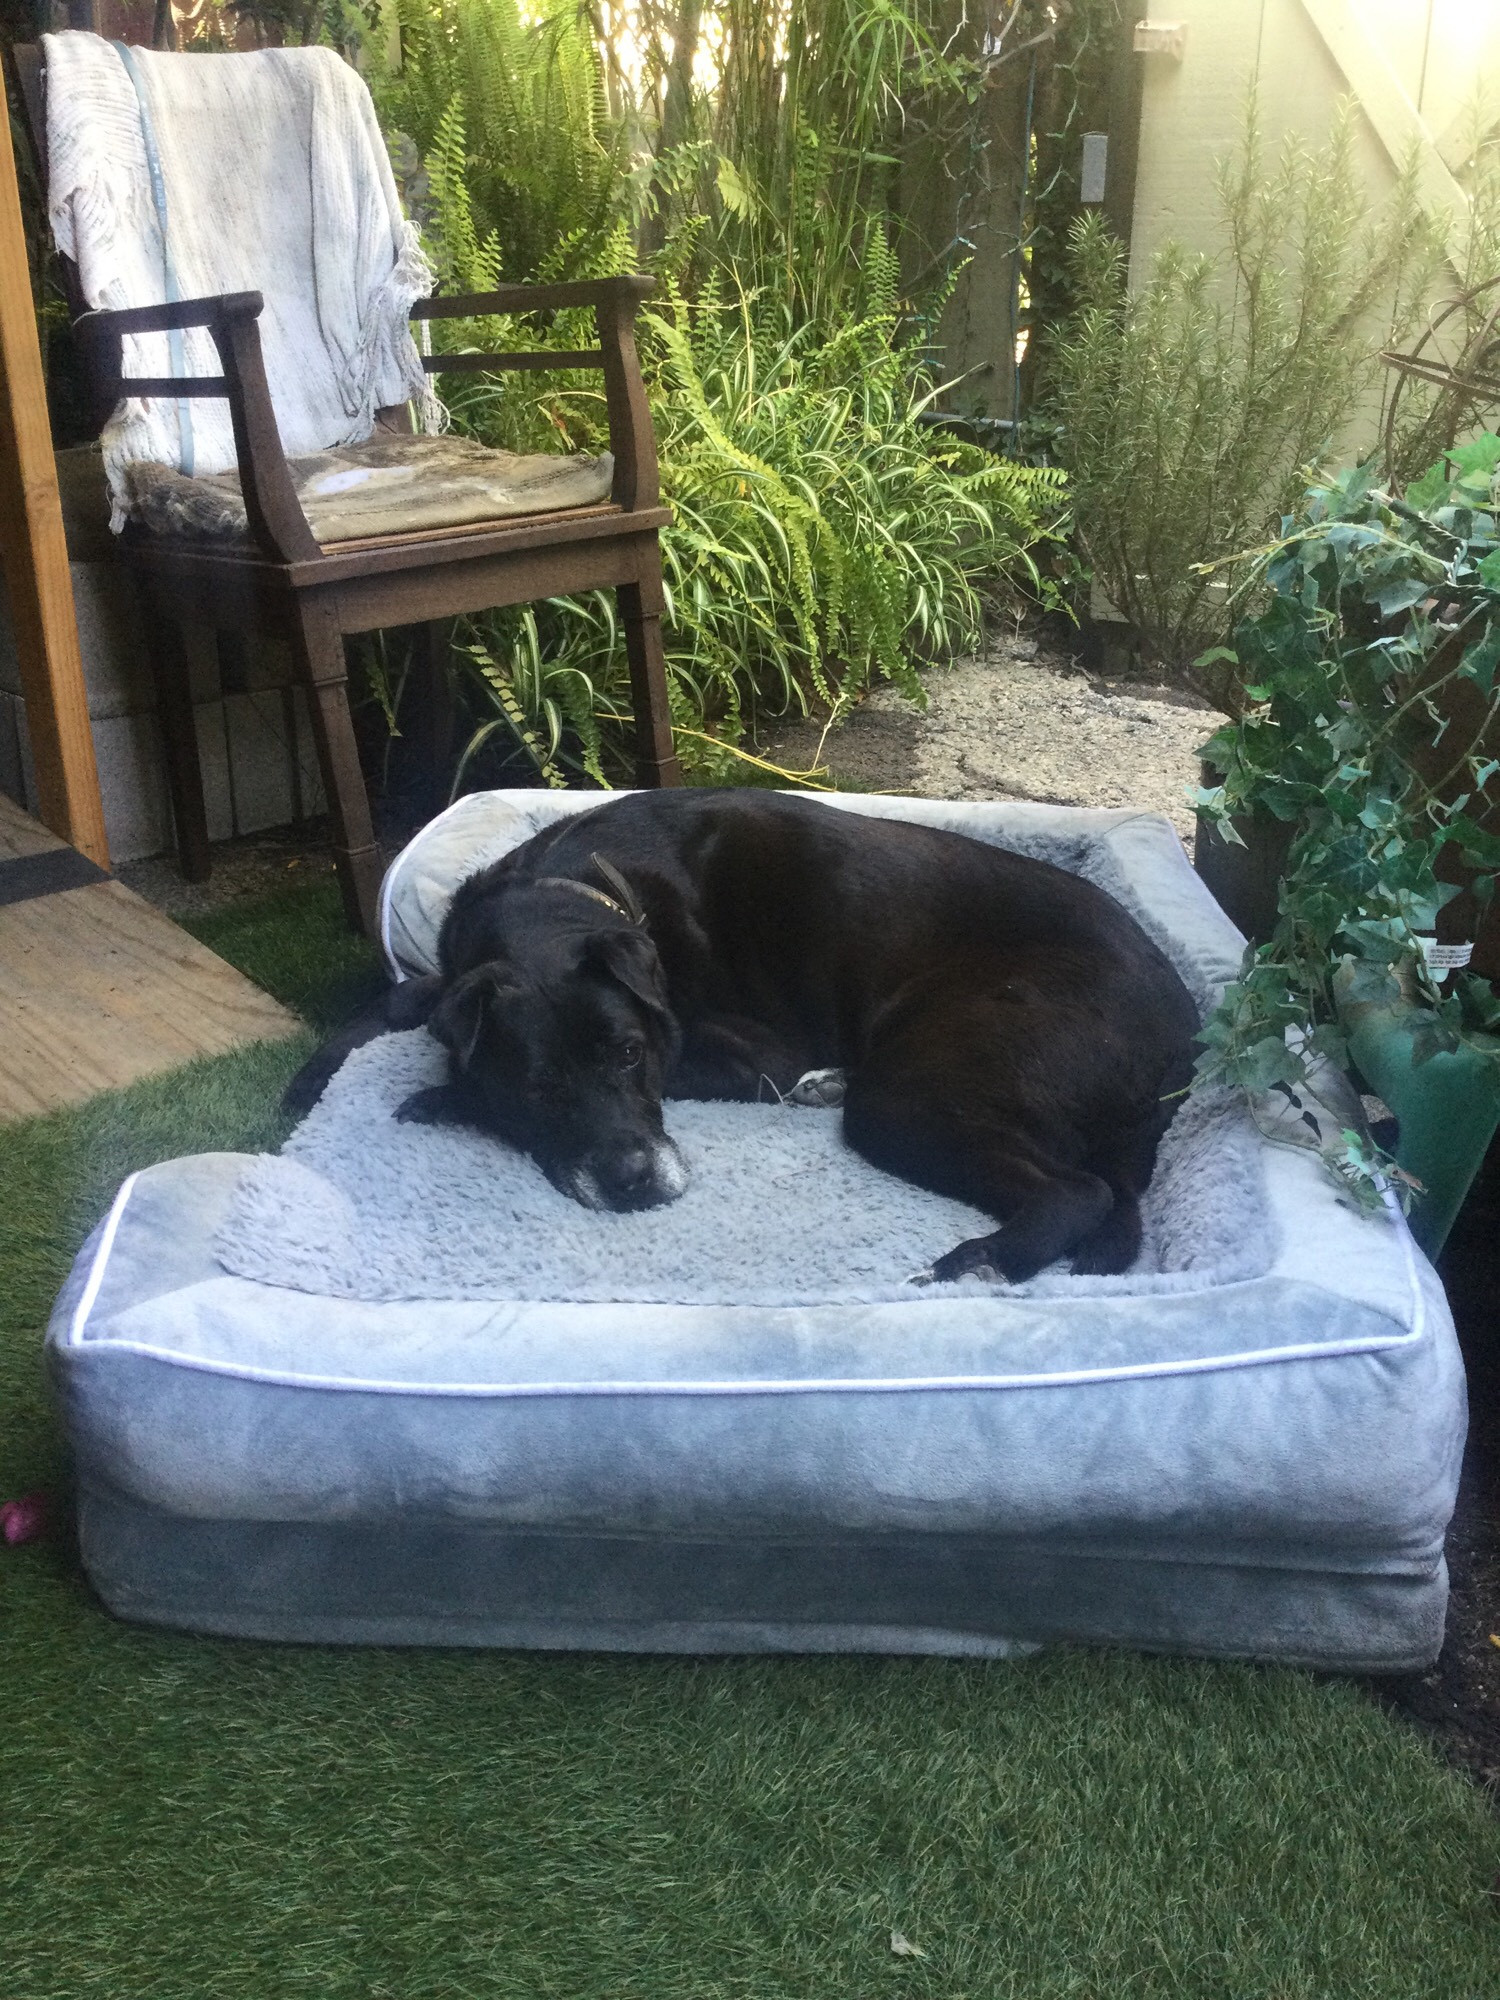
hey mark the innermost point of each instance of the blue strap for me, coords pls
(175, 346)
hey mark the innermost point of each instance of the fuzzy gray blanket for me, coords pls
(778, 1210)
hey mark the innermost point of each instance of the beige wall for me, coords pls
(1414, 65)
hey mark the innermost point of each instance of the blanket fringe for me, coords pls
(388, 350)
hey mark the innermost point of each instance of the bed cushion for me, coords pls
(1251, 1458)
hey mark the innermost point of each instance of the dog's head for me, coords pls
(562, 1053)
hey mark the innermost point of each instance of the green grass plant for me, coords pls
(199, 1819)
(824, 537)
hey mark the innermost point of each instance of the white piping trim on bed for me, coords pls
(1415, 1331)
(875, 1385)
(101, 1258)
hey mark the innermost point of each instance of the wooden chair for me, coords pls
(284, 584)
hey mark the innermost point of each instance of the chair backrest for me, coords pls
(263, 172)
(31, 80)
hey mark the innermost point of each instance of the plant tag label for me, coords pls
(1444, 958)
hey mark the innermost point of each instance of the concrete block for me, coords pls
(309, 777)
(116, 669)
(116, 672)
(132, 782)
(260, 760)
(84, 493)
(201, 642)
(254, 739)
(268, 664)
(213, 756)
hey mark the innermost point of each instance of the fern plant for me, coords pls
(508, 115)
(822, 536)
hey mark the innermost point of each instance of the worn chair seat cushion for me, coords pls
(1258, 1462)
(386, 485)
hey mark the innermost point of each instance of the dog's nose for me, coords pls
(633, 1170)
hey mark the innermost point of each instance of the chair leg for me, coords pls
(640, 613)
(179, 729)
(318, 653)
(430, 704)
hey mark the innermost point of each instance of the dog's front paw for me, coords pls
(436, 1105)
(974, 1259)
(818, 1089)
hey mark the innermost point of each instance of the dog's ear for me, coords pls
(458, 1018)
(630, 957)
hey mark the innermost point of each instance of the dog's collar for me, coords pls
(625, 904)
(583, 889)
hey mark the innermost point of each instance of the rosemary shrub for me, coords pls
(1189, 411)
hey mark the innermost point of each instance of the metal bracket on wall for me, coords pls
(1160, 38)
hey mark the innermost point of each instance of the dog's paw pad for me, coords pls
(433, 1106)
(818, 1090)
(973, 1259)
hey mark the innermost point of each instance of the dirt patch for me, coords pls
(259, 864)
(1458, 1701)
(1024, 721)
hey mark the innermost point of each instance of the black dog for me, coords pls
(1008, 1035)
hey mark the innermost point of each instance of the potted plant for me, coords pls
(1369, 743)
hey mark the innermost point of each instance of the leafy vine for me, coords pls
(1370, 677)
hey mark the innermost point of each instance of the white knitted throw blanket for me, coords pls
(272, 176)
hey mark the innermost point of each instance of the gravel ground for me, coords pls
(1024, 721)
(256, 865)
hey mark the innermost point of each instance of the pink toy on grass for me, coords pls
(25, 1519)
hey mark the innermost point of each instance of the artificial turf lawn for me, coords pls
(190, 1819)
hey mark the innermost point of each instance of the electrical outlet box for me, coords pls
(1095, 165)
(1160, 38)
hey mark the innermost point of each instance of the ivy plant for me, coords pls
(1370, 675)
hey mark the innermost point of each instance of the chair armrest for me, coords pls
(534, 298)
(615, 302)
(168, 317)
(273, 512)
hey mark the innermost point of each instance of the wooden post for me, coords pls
(35, 556)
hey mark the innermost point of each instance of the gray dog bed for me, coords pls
(391, 1386)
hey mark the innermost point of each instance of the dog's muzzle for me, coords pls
(644, 1175)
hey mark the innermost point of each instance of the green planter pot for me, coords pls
(1447, 1108)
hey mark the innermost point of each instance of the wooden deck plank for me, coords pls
(98, 989)
(20, 834)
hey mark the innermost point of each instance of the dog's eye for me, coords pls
(627, 1054)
